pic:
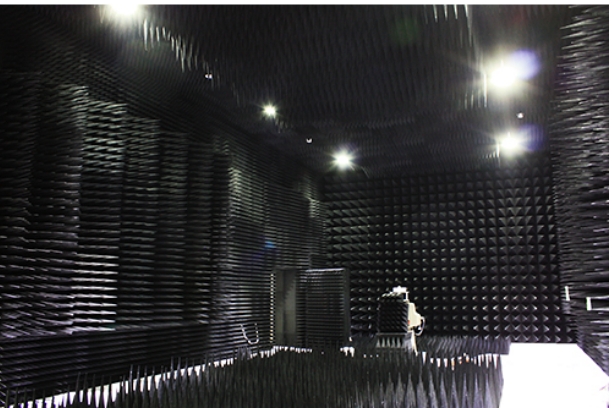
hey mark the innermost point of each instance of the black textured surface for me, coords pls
(80, 269)
(392, 314)
(477, 250)
(266, 216)
(140, 232)
(312, 379)
(140, 193)
(51, 364)
(580, 143)
(19, 127)
(100, 216)
(402, 86)
(323, 315)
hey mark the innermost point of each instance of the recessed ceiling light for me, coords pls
(511, 144)
(520, 115)
(503, 76)
(343, 160)
(525, 63)
(511, 70)
(124, 8)
(270, 111)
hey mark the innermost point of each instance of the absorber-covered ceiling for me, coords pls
(401, 87)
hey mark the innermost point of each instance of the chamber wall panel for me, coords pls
(580, 142)
(477, 250)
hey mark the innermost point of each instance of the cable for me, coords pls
(251, 343)
(422, 327)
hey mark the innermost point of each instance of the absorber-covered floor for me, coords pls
(446, 372)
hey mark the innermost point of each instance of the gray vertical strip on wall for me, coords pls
(579, 143)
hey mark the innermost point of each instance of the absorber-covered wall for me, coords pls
(138, 222)
(477, 249)
(270, 219)
(580, 142)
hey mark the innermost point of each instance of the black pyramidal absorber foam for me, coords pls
(100, 216)
(170, 282)
(260, 224)
(139, 217)
(195, 191)
(309, 379)
(392, 314)
(18, 118)
(580, 133)
(477, 250)
(322, 308)
(139, 222)
(54, 207)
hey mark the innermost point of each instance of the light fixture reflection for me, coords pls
(508, 72)
(125, 8)
(511, 144)
(503, 77)
(525, 63)
(343, 160)
(269, 111)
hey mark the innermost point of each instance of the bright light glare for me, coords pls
(125, 8)
(559, 375)
(525, 63)
(343, 160)
(511, 144)
(504, 76)
(518, 66)
(270, 111)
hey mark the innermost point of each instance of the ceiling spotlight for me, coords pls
(269, 111)
(520, 115)
(511, 144)
(503, 76)
(525, 63)
(511, 70)
(124, 8)
(343, 160)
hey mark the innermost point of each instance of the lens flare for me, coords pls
(125, 8)
(511, 144)
(343, 160)
(503, 77)
(269, 111)
(519, 66)
(525, 63)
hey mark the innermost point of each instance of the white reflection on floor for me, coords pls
(535, 376)
(552, 375)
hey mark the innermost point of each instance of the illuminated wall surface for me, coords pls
(477, 250)
(141, 219)
(129, 239)
(122, 242)
(580, 144)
